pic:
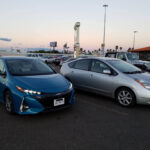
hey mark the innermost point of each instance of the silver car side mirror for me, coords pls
(106, 71)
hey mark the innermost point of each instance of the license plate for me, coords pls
(59, 101)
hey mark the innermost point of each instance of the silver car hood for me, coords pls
(141, 77)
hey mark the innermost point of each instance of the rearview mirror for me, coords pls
(107, 71)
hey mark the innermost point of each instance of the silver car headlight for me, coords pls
(143, 83)
(28, 91)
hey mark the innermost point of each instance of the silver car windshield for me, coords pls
(124, 66)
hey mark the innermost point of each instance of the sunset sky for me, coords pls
(34, 23)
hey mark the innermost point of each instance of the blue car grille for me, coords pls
(47, 100)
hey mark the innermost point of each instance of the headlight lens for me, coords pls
(28, 91)
(70, 87)
(143, 83)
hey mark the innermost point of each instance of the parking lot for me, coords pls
(93, 123)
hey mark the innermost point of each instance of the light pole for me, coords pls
(103, 45)
(76, 39)
(134, 39)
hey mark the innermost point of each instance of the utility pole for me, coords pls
(134, 39)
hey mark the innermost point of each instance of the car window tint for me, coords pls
(71, 64)
(2, 68)
(98, 66)
(82, 64)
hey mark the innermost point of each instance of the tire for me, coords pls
(126, 97)
(9, 105)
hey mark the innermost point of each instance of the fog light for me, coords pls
(23, 106)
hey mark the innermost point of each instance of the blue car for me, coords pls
(29, 86)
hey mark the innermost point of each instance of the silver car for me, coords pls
(110, 77)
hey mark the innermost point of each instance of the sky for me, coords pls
(35, 23)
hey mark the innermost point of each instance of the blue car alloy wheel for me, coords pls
(29, 86)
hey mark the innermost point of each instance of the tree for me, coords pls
(81, 50)
(116, 47)
(129, 49)
(120, 48)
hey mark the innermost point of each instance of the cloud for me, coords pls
(5, 39)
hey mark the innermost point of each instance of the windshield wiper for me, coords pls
(133, 72)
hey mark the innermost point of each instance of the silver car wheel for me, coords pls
(125, 98)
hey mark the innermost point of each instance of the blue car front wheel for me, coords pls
(9, 102)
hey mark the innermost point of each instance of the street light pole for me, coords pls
(134, 39)
(103, 45)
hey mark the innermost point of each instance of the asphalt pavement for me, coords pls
(93, 123)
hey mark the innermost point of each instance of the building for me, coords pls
(144, 53)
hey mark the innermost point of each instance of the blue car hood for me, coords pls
(43, 83)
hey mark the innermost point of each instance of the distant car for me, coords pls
(48, 59)
(64, 59)
(57, 60)
(110, 77)
(29, 86)
(131, 58)
(68, 60)
(61, 59)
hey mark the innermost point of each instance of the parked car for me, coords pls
(64, 59)
(68, 60)
(57, 60)
(34, 55)
(131, 58)
(29, 86)
(61, 59)
(48, 59)
(110, 77)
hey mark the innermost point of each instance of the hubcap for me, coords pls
(8, 103)
(125, 98)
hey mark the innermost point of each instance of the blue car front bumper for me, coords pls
(45, 102)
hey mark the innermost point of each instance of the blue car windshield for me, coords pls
(27, 67)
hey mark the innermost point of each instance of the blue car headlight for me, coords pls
(27, 91)
(70, 87)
